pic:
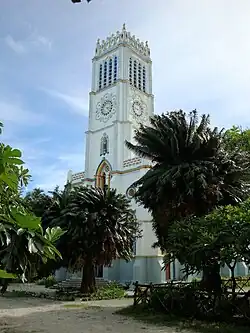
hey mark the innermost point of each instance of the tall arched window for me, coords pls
(130, 70)
(115, 69)
(134, 247)
(144, 79)
(105, 74)
(110, 71)
(139, 76)
(100, 77)
(135, 73)
(104, 148)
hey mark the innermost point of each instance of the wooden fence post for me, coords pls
(136, 292)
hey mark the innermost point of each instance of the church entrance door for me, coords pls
(168, 275)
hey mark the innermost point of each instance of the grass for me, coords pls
(149, 316)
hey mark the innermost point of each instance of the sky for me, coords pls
(200, 51)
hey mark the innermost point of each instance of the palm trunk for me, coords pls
(88, 285)
(4, 284)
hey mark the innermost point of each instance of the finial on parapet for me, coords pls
(97, 46)
(124, 27)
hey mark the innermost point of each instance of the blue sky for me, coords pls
(200, 52)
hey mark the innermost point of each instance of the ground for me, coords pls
(21, 315)
(33, 315)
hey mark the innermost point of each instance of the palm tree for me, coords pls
(37, 201)
(191, 172)
(101, 227)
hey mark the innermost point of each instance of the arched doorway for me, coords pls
(103, 174)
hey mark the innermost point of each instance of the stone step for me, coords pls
(75, 283)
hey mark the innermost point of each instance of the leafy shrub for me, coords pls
(41, 282)
(48, 282)
(111, 291)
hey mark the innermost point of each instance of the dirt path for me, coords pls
(19, 315)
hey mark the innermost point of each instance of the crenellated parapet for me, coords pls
(122, 37)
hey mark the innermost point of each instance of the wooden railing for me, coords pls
(143, 292)
(176, 294)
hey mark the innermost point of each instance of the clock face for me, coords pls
(137, 108)
(106, 107)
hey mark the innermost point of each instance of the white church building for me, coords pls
(120, 99)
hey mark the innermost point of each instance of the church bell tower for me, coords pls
(120, 99)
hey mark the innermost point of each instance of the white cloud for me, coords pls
(39, 40)
(15, 113)
(77, 103)
(200, 54)
(16, 46)
(73, 160)
(22, 46)
(53, 174)
(56, 173)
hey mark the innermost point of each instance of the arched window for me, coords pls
(130, 71)
(105, 74)
(139, 76)
(135, 73)
(104, 149)
(115, 69)
(144, 79)
(100, 77)
(110, 71)
(134, 246)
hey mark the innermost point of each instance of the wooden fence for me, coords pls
(143, 292)
(234, 301)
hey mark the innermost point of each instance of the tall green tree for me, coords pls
(191, 172)
(22, 240)
(237, 138)
(37, 201)
(101, 227)
(221, 237)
